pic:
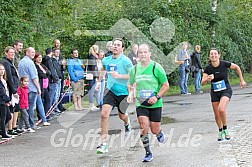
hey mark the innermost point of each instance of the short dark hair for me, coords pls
(119, 39)
(73, 50)
(16, 42)
(48, 51)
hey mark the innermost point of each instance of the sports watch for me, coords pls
(158, 97)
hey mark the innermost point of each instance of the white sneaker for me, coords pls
(46, 124)
(102, 149)
(30, 130)
(94, 108)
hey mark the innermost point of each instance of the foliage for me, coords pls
(38, 22)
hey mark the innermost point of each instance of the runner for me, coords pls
(151, 85)
(117, 67)
(216, 72)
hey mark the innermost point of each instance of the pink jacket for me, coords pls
(23, 97)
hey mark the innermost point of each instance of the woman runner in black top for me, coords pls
(216, 72)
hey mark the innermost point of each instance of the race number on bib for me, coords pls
(111, 68)
(219, 86)
(146, 94)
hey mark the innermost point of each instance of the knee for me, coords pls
(155, 130)
(144, 126)
(221, 110)
(104, 115)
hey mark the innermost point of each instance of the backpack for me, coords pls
(154, 66)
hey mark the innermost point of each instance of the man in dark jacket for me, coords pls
(53, 78)
(196, 68)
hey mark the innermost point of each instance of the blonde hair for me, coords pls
(94, 49)
(4, 76)
(6, 50)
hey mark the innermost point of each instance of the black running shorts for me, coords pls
(154, 114)
(119, 101)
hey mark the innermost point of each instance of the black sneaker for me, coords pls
(19, 131)
(12, 133)
(6, 137)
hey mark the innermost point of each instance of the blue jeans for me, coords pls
(40, 109)
(197, 80)
(100, 93)
(91, 91)
(52, 92)
(32, 96)
(183, 79)
(57, 94)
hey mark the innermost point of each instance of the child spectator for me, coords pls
(24, 104)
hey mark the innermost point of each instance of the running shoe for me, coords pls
(226, 134)
(128, 128)
(102, 149)
(148, 157)
(220, 136)
(161, 137)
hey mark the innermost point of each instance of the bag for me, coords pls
(187, 69)
(89, 76)
(45, 83)
(194, 69)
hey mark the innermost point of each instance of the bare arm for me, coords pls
(165, 86)
(102, 73)
(239, 72)
(36, 83)
(177, 61)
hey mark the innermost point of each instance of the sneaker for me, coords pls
(6, 137)
(46, 124)
(30, 130)
(161, 137)
(128, 128)
(226, 134)
(220, 138)
(94, 108)
(12, 133)
(199, 92)
(148, 157)
(184, 94)
(103, 148)
(19, 131)
(25, 130)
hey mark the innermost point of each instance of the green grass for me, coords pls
(174, 90)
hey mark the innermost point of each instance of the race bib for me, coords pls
(111, 68)
(146, 94)
(219, 86)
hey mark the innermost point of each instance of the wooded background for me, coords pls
(38, 22)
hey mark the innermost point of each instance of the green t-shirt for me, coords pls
(147, 85)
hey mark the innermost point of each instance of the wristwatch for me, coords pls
(158, 97)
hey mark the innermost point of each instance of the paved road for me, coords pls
(191, 138)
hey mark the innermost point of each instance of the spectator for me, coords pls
(196, 68)
(76, 73)
(183, 59)
(133, 54)
(93, 70)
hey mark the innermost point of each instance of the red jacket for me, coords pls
(23, 97)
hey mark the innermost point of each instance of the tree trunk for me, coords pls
(214, 9)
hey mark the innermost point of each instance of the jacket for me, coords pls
(12, 75)
(23, 97)
(3, 97)
(53, 77)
